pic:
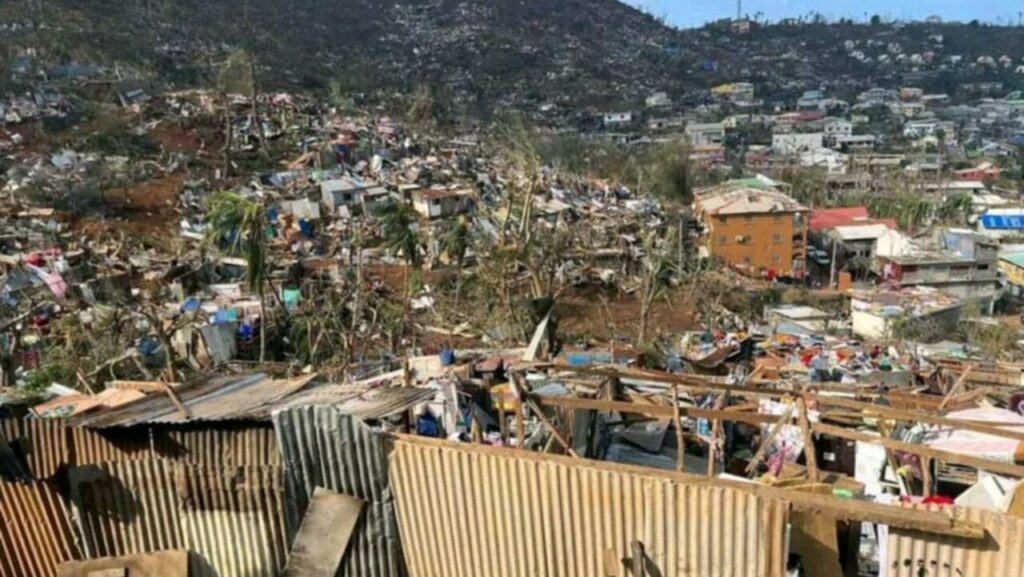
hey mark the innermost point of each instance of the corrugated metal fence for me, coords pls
(35, 531)
(231, 517)
(468, 511)
(913, 554)
(324, 447)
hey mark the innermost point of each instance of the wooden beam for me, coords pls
(809, 449)
(716, 431)
(656, 411)
(689, 382)
(520, 423)
(956, 386)
(921, 450)
(174, 399)
(639, 560)
(550, 427)
(786, 417)
(918, 417)
(677, 422)
(143, 386)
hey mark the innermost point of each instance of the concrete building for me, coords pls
(347, 192)
(882, 314)
(431, 203)
(754, 228)
(964, 265)
(703, 134)
(795, 143)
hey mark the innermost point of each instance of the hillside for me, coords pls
(589, 50)
(483, 55)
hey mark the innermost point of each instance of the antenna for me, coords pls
(739, 10)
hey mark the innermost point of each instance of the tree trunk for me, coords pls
(228, 134)
(254, 95)
(263, 324)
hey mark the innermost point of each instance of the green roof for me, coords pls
(1016, 259)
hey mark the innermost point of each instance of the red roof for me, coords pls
(827, 218)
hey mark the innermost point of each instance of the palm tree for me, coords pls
(242, 224)
(455, 242)
(917, 213)
(956, 209)
(399, 225)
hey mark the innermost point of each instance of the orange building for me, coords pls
(755, 229)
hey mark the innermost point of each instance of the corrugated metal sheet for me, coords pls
(361, 402)
(43, 443)
(469, 510)
(35, 533)
(233, 446)
(220, 399)
(232, 518)
(912, 554)
(324, 447)
(92, 447)
(126, 508)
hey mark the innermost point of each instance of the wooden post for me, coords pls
(503, 422)
(680, 440)
(809, 449)
(639, 560)
(520, 423)
(716, 431)
(926, 476)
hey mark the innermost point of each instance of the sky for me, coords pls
(687, 13)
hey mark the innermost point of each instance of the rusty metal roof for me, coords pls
(364, 403)
(247, 397)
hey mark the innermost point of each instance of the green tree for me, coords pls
(239, 225)
(671, 174)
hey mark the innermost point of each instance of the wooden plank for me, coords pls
(639, 559)
(918, 417)
(689, 382)
(716, 432)
(809, 449)
(324, 534)
(656, 411)
(786, 417)
(921, 450)
(550, 427)
(174, 399)
(144, 386)
(956, 386)
(814, 538)
(677, 422)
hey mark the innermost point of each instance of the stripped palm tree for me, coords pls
(399, 224)
(455, 242)
(239, 225)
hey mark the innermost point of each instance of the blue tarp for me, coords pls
(1003, 221)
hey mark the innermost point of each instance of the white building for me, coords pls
(795, 143)
(617, 118)
(703, 134)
